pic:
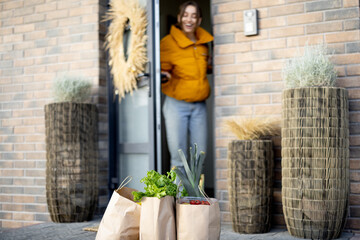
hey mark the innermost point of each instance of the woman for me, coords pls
(184, 61)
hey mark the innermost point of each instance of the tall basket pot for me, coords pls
(315, 161)
(250, 167)
(72, 158)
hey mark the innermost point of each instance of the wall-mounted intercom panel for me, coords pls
(250, 22)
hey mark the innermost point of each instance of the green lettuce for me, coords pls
(157, 185)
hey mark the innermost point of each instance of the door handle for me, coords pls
(143, 75)
(144, 79)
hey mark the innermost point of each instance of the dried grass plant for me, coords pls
(71, 88)
(312, 69)
(253, 128)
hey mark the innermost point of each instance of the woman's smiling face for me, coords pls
(189, 21)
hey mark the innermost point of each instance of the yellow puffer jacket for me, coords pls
(187, 63)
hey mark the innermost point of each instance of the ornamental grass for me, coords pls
(253, 128)
(71, 88)
(312, 69)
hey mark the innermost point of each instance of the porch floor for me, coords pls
(52, 231)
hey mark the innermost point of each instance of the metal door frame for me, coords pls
(154, 145)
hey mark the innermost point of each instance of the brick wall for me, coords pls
(38, 40)
(248, 78)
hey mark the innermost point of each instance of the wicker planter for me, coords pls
(315, 161)
(72, 156)
(250, 166)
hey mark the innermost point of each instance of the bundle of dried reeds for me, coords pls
(253, 128)
(123, 14)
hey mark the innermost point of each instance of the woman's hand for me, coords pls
(165, 76)
(209, 69)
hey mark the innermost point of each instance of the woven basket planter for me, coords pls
(72, 157)
(315, 161)
(250, 166)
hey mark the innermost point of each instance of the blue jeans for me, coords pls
(184, 121)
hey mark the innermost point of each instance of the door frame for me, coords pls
(153, 47)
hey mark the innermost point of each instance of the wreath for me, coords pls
(122, 16)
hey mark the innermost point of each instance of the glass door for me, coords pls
(136, 119)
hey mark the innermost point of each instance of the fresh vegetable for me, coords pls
(191, 178)
(184, 193)
(195, 202)
(157, 185)
(198, 202)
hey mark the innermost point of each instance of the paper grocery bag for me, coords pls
(157, 220)
(198, 222)
(122, 217)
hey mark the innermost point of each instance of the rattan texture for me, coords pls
(315, 161)
(250, 169)
(72, 161)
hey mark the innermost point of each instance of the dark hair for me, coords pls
(190, 3)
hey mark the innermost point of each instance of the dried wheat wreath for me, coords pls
(124, 71)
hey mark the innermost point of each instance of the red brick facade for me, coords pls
(38, 40)
(248, 79)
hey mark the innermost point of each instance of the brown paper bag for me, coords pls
(122, 217)
(157, 221)
(198, 222)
